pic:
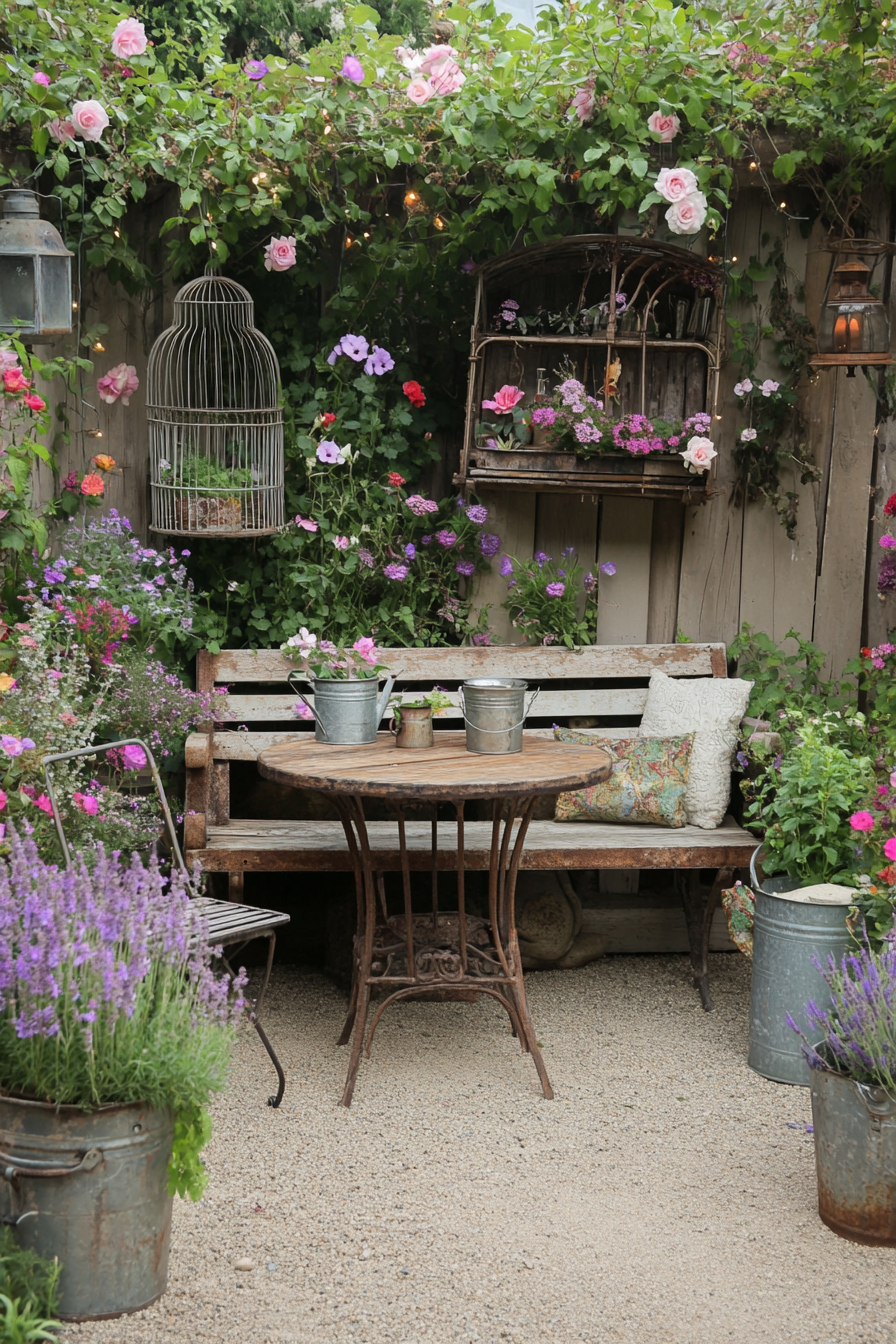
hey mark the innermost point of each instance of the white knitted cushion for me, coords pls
(711, 708)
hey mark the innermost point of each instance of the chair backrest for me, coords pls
(601, 682)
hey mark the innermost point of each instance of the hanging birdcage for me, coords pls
(215, 420)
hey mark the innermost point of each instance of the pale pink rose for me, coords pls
(664, 124)
(688, 214)
(129, 39)
(411, 60)
(280, 254)
(449, 79)
(434, 59)
(8, 360)
(583, 102)
(699, 454)
(122, 381)
(89, 119)
(61, 130)
(673, 184)
(505, 399)
(420, 90)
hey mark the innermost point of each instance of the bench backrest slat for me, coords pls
(618, 703)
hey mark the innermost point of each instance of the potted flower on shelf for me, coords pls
(209, 495)
(347, 704)
(114, 1030)
(853, 1088)
(505, 435)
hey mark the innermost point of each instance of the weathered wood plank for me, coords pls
(665, 571)
(456, 664)
(626, 700)
(511, 515)
(636, 932)
(308, 846)
(563, 521)
(626, 526)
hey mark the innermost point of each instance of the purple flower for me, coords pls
(355, 347)
(426, 541)
(366, 558)
(590, 582)
(544, 415)
(417, 504)
(54, 576)
(888, 543)
(410, 550)
(397, 572)
(11, 745)
(468, 266)
(478, 514)
(446, 538)
(328, 451)
(742, 760)
(506, 566)
(481, 639)
(352, 69)
(379, 361)
(465, 567)
(256, 69)
(555, 589)
(607, 567)
(489, 544)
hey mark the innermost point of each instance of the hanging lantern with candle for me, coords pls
(853, 328)
(35, 272)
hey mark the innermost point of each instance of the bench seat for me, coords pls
(320, 846)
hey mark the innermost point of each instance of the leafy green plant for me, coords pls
(435, 700)
(204, 475)
(29, 1281)
(22, 1325)
(187, 1174)
(787, 682)
(545, 596)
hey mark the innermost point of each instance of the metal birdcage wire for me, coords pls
(214, 415)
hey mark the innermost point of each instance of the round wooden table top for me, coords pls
(446, 770)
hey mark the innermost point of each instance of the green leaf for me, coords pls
(391, 157)
(361, 14)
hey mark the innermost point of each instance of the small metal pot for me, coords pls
(412, 726)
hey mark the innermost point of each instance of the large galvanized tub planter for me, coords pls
(855, 1156)
(90, 1188)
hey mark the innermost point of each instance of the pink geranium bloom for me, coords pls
(122, 381)
(862, 821)
(664, 124)
(420, 90)
(308, 523)
(3, 799)
(40, 78)
(14, 380)
(890, 848)
(34, 402)
(583, 102)
(280, 254)
(129, 39)
(505, 399)
(43, 802)
(367, 648)
(89, 119)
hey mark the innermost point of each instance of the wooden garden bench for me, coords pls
(600, 687)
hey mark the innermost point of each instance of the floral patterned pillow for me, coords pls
(647, 786)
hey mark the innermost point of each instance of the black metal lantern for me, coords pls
(853, 328)
(35, 272)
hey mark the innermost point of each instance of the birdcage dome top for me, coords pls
(213, 297)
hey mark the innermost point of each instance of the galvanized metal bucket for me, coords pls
(346, 713)
(788, 937)
(855, 1157)
(494, 713)
(91, 1189)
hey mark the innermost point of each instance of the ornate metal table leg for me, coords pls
(351, 812)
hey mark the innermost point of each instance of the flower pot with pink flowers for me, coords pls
(347, 706)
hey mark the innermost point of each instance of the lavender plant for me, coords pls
(107, 992)
(858, 1030)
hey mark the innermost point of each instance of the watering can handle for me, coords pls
(317, 720)
(383, 701)
(754, 878)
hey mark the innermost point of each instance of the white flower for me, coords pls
(346, 453)
(768, 387)
(747, 435)
(699, 454)
(741, 389)
(353, 541)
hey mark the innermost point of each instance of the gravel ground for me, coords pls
(667, 1194)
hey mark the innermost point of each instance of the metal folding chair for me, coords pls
(229, 925)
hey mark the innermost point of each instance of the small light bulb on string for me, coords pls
(74, 307)
(349, 240)
(734, 258)
(367, 235)
(754, 166)
(439, 222)
(783, 205)
(98, 346)
(94, 433)
(116, 233)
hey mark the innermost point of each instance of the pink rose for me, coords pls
(14, 380)
(687, 215)
(40, 78)
(89, 119)
(434, 59)
(862, 821)
(449, 79)
(129, 39)
(673, 184)
(420, 90)
(583, 102)
(280, 254)
(411, 60)
(61, 130)
(890, 848)
(505, 399)
(34, 402)
(122, 381)
(8, 360)
(699, 454)
(664, 124)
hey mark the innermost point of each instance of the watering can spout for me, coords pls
(384, 698)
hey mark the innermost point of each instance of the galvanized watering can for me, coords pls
(788, 937)
(346, 713)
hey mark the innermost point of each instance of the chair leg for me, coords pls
(254, 1012)
(699, 923)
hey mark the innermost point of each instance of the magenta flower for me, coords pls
(256, 69)
(307, 523)
(366, 558)
(506, 566)
(890, 848)
(302, 711)
(862, 821)
(397, 572)
(40, 78)
(417, 504)
(445, 537)
(887, 542)
(465, 567)
(555, 589)
(367, 649)
(133, 757)
(352, 69)
(544, 415)
(477, 513)
(482, 639)
(12, 746)
(328, 451)
(341, 543)
(410, 551)
(505, 399)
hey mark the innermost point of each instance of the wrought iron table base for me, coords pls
(451, 953)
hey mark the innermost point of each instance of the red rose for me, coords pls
(890, 507)
(395, 479)
(327, 419)
(414, 393)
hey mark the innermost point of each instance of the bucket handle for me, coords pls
(512, 729)
(318, 722)
(23, 1166)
